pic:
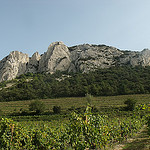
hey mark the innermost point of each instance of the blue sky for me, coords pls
(31, 25)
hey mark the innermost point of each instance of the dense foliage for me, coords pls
(148, 123)
(130, 104)
(82, 132)
(56, 109)
(112, 81)
(37, 106)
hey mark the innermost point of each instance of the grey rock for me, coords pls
(134, 58)
(56, 58)
(33, 64)
(145, 57)
(80, 58)
(90, 57)
(13, 65)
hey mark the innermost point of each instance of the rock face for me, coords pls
(13, 65)
(85, 58)
(33, 63)
(80, 58)
(57, 57)
(135, 58)
(145, 57)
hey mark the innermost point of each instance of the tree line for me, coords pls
(120, 80)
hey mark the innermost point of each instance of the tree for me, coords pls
(56, 109)
(130, 104)
(89, 98)
(37, 106)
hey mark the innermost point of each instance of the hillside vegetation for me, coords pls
(103, 82)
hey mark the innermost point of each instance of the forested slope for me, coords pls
(111, 81)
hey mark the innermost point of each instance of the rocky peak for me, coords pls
(57, 57)
(13, 65)
(33, 64)
(35, 57)
(135, 58)
(145, 57)
(88, 57)
(18, 56)
(80, 58)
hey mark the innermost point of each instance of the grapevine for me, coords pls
(83, 131)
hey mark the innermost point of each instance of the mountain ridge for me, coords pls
(79, 58)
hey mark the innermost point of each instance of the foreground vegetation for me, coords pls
(83, 131)
(103, 82)
(104, 122)
(141, 141)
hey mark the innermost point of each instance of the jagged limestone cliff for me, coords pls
(89, 57)
(13, 65)
(80, 58)
(57, 57)
(33, 64)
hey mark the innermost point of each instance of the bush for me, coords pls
(72, 108)
(56, 109)
(130, 104)
(1, 113)
(37, 106)
(94, 109)
(89, 98)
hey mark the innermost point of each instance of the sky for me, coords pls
(32, 25)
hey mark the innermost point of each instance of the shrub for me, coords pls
(89, 98)
(80, 109)
(148, 124)
(94, 109)
(130, 104)
(72, 108)
(1, 113)
(37, 106)
(56, 109)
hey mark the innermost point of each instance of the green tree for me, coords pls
(56, 109)
(130, 104)
(89, 98)
(37, 106)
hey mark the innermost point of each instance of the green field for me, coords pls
(65, 103)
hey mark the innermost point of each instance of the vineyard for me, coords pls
(82, 131)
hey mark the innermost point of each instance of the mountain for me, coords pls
(80, 58)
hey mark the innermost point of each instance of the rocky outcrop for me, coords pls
(80, 58)
(135, 58)
(85, 58)
(56, 58)
(13, 65)
(33, 64)
(145, 57)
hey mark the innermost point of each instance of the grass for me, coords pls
(65, 103)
